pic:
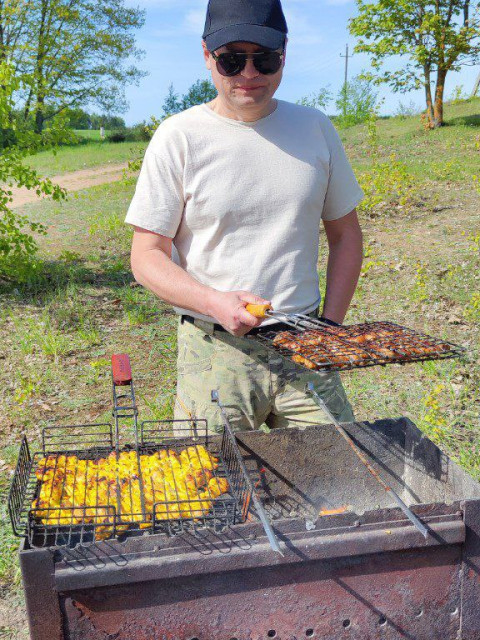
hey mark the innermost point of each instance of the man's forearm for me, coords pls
(343, 270)
(156, 271)
(152, 267)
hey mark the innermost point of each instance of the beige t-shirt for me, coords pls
(243, 201)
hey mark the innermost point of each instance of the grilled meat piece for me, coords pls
(305, 362)
(347, 347)
(76, 491)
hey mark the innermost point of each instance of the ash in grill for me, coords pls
(322, 347)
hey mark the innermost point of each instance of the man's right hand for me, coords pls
(229, 311)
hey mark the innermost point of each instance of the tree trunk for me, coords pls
(39, 72)
(26, 109)
(39, 114)
(428, 95)
(438, 106)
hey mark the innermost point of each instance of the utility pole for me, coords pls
(345, 86)
(477, 84)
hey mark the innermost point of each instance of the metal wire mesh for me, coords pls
(189, 436)
(78, 491)
(19, 489)
(356, 346)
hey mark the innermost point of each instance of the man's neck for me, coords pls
(242, 115)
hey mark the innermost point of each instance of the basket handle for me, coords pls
(121, 370)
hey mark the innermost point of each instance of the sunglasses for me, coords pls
(232, 63)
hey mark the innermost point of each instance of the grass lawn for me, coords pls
(84, 156)
(421, 269)
(449, 153)
(90, 134)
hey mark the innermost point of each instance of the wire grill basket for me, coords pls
(362, 345)
(83, 487)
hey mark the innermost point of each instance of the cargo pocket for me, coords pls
(194, 367)
(194, 384)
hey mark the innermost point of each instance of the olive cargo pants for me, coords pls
(256, 385)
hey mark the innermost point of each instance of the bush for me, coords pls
(388, 183)
(17, 246)
(117, 136)
(355, 102)
(404, 111)
(143, 132)
(319, 100)
(138, 133)
(8, 138)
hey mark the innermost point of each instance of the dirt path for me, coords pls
(74, 181)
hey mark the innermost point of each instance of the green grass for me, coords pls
(450, 153)
(90, 134)
(422, 269)
(84, 156)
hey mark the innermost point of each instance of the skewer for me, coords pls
(294, 320)
(256, 501)
(408, 512)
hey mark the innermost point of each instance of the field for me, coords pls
(83, 156)
(421, 269)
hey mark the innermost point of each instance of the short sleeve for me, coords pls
(159, 200)
(343, 191)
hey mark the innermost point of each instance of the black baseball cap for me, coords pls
(260, 22)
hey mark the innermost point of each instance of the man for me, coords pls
(238, 188)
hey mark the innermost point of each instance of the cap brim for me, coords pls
(254, 33)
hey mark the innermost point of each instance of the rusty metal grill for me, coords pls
(363, 573)
(341, 348)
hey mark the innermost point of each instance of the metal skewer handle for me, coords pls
(408, 512)
(294, 320)
(256, 501)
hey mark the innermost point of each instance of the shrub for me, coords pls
(388, 182)
(117, 136)
(138, 133)
(318, 100)
(8, 138)
(405, 110)
(355, 102)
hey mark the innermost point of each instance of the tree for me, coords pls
(355, 102)
(318, 100)
(17, 245)
(70, 53)
(81, 119)
(475, 86)
(200, 92)
(172, 103)
(437, 36)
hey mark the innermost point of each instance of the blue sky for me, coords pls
(171, 39)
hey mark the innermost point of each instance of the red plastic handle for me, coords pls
(121, 369)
